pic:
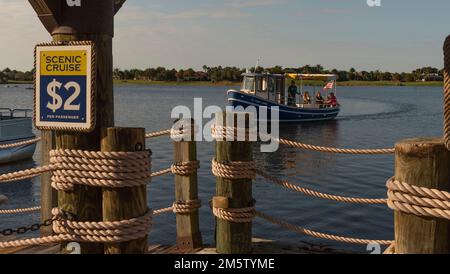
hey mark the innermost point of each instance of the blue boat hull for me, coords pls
(287, 114)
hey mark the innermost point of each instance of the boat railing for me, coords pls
(7, 113)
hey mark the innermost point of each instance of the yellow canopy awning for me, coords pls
(318, 77)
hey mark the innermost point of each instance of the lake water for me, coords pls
(372, 117)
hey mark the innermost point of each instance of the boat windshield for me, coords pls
(248, 85)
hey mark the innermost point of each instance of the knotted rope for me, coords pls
(234, 170)
(286, 184)
(447, 92)
(22, 143)
(185, 168)
(186, 207)
(105, 169)
(419, 201)
(235, 215)
(222, 133)
(320, 235)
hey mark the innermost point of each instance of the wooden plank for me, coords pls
(125, 203)
(422, 162)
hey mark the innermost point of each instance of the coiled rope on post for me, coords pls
(234, 170)
(235, 215)
(223, 133)
(185, 168)
(92, 232)
(286, 184)
(108, 169)
(186, 207)
(320, 235)
(22, 143)
(419, 201)
(447, 92)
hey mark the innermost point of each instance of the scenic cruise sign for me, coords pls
(65, 87)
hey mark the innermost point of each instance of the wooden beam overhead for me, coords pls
(117, 5)
(49, 12)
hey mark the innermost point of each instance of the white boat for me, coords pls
(16, 126)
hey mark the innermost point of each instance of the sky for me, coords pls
(400, 35)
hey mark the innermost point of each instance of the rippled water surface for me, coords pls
(372, 117)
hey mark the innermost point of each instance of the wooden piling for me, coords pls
(186, 189)
(124, 203)
(85, 202)
(3, 199)
(422, 162)
(233, 238)
(49, 196)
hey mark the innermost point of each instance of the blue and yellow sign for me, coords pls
(64, 87)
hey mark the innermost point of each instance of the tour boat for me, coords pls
(16, 126)
(272, 90)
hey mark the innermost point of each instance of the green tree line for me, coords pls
(233, 74)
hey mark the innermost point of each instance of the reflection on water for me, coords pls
(372, 117)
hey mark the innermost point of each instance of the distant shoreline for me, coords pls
(228, 83)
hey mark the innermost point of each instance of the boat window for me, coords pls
(248, 84)
(265, 84)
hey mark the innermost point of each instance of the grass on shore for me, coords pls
(228, 83)
(310, 83)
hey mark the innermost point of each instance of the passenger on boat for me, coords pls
(306, 98)
(319, 99)
(332, 100)
(292, 93)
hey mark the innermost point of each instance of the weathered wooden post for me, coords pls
(83, 21)
(186, 190)
(49, 196)
(124, 203)
(3, 199)
(422, 162)
(231, 194)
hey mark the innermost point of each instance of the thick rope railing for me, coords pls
(25, 174)
(320, 235)
(232, 133)
(157, 134)
(22, 143)
(286, 184)
(93, 232)
(19, 210)
(335, 150)
(419, 201)
(111, 169)
(447, 92)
